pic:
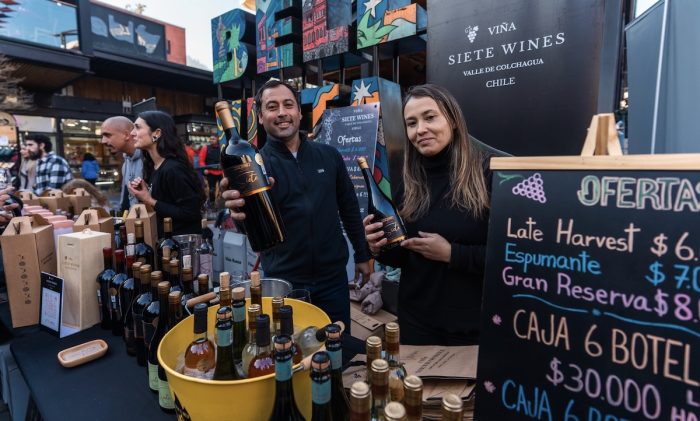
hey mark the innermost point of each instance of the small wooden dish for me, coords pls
(80, 354)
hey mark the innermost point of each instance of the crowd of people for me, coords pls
(444, 202)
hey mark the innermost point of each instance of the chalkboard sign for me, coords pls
(592, 290)
(353, 131)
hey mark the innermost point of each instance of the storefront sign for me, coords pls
(122, 33)
(592, 294)
(525, 73)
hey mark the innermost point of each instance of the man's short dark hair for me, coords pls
(273, 83)
(39, 139)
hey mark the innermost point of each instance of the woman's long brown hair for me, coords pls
(468, 189)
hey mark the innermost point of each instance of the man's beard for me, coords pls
(34, 155)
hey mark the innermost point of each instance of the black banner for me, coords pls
(122, 33)
(592, 297)
(526, 73)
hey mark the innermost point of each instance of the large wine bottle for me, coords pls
(104, 278)
(383, 209)
(142, 252)
(115, 287)
(167, 247)
(162, 323)
(284, 407)
(243, 167)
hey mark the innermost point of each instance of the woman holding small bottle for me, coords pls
(170, 184)
(445, 207)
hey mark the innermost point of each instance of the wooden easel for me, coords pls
(602, 137)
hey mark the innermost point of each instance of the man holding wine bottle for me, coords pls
(312, 189)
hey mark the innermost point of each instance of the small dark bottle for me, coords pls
(383, 209)
(150, 323)
(225, 367)
(142, 252)
(284, 407)
(287, 328)
(263, 363)
(104, 279)
(115, 287)
(243, 167)
(165, 399)
(167, 247)
(130, 290)
(321, 387)
(340, 405)
(239, 337)
(140, 303)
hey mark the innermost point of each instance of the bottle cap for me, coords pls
(107, 251)
(413, 382)
(321, 361)
(391, 332)
(262, 330)
(223, 313)
(452, 403)
(373, 342)
(187, 274)
(174, 266)
(224, 280)
(286, 318)
(238, 293)
(394, 411)
(333, 331)
(359, 390)
(283, 342)
(163, 287)
(136, 267)
(203, 278)
(156, 275)
(119, 255)
(200, 318)
(167, 224)
(380, 366)
(175, 297)
(255, 278)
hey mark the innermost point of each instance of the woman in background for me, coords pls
(90, 169)
(445, 207)
(27, 169)
(170, 184)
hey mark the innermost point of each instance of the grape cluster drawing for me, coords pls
(531, 187)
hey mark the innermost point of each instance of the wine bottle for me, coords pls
(175, 282)
(380, 386)
(413, 397)
(187, 290)
(205, 251)
(287, 328)
(263, 363)
(142, 252)
(452, 407)
(360, 402)
(373, 351)
(255, 288)
(162, 323)
(284, 407)
(200, 356)
(251, 348)
(225, 368)
(394, 411)
(140, 303)
(166, 246)
(391, 338)
(115, 287)
(175, 314)
(104, 279)
(340, 406)
(130, 290)
(243, 167)
(383, 209)
(239, 338)
(202, 284)
(321, 387)
(119, 234)
(277, 302)
(225, 289)
(150, 322)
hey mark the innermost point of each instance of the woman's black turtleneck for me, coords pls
(440, 303)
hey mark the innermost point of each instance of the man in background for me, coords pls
(211, 155)
(116, 136)
(52, 171)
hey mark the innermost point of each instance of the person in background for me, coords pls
(190, 153)
(52, 171)
(211, 155)
(445, 206)
(90, 169)
(312, 190)
(27, 169)
(116, 136)
(169, 183)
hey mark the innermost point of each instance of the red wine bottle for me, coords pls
(243, 167)
(383, 209)
(104, 278)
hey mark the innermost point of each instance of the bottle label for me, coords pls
(199, 374)
(239, 313)
(336, 359)
(248, 178)
(283, 369)
(153, 376)
(224, 337)
(165, 398)
(393, 230)
(321, 391)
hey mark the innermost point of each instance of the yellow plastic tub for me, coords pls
(250, 399)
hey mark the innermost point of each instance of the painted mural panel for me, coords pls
(229, 52)
(380, 21)
(269, 56)
(317, 98)
(325, 28)
(252, 121)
